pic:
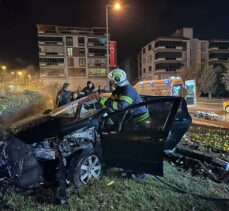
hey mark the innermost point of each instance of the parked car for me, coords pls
(207, 115)
(83, 138)
(226, 106)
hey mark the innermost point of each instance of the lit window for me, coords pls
(97, 72)
(82, 62)
(69, 52)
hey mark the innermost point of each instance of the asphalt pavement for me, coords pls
(213, 105)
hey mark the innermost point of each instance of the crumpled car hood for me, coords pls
(29, 122)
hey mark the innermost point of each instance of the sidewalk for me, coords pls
(213, 100)
(218, 124)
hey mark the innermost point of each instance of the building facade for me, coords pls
(72, 54)
(130, 65)
(170, 56)
(218, 52)
(219, 55)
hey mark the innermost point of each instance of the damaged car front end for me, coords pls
(72, 143)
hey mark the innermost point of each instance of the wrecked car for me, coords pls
(74, 142)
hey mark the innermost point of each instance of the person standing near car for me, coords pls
(89, 89)
(64, 95)
(123, 96)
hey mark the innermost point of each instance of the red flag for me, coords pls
(112, 45)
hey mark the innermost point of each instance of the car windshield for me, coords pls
(85, 106)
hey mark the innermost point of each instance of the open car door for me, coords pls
(139, 147)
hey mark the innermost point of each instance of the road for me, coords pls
(214, 105)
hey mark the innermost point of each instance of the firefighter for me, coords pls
(123, 96)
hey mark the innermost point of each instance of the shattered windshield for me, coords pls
(69, 109)
(85, 106)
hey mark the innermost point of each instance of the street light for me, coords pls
(3, 67)
(117, 7)
(20, 73)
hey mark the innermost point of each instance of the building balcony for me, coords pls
(213, 48)
(179, 48)
(97, 65)
(51, 54)
(170, 60)
(160, 71)
(51, 64)
(218, 50)
(97, 45)
(218, 60)
(160, 47)
(50, 43)
(97, 76)
(167, 70)
(97, 55)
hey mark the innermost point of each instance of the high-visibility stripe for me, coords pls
(115, 105)
(142, 117)
(127, 99)
(102, 101)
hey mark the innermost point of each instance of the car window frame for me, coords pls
(170, 118)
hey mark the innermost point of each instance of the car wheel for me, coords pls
(84, 169)
(227, 109)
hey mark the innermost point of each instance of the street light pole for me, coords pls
(107, 35)
(117, 7)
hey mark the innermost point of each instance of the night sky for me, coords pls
(132, 28)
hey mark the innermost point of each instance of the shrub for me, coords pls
(18, 105)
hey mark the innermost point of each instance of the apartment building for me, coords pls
(169, 56)
(218, 51)
(72, 54)
(130, 65)
(219, 54)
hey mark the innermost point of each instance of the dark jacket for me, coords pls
(125, 96)
(63, 97)
(87, 91)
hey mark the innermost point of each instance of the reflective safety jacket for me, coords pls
(124, 96)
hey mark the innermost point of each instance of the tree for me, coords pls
(220, 81)
(208, 79)
(226, 77)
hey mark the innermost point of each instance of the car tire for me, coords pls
(227, 109)
(84, 169)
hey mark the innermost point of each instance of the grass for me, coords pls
(126, 194)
